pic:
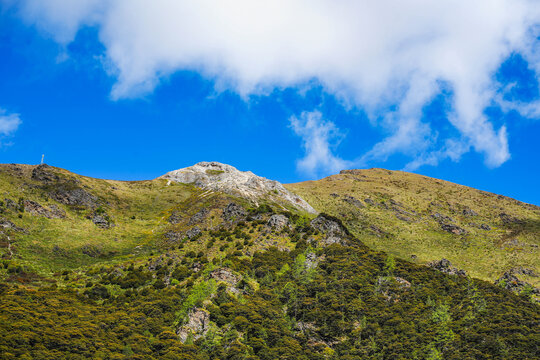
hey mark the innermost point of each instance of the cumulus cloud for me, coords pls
(319, 139)
(386, 57)
(9, 123)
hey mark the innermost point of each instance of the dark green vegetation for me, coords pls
(146, 270)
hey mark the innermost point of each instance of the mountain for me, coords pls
(215, 176)
(211, 265)
(422, 219)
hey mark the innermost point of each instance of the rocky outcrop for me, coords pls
(452, 228)
(34, 208)
(510, 281)
(199, 217)
(445, 266)
(102, 220)
(44, 174)
(509, 219)
(6, 224)
(68, 195)
(225, 275)
(193, 233)
(278, 222)
(445, 222)
(196, 326)
(175, 217)
(332, 229)
(234, 212)
(353, 201)
(225, 178)
(469, 212)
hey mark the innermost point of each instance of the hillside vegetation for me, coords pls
(422, 219)
(100, 269)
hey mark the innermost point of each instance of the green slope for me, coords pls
(404, 214)
(145, 270)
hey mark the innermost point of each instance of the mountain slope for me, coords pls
(423, 219)
(162, 270)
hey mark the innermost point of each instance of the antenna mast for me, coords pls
(42, 158)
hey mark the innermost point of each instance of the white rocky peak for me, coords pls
(226, 178)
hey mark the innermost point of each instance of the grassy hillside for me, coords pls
(99, 269)
(423, 219)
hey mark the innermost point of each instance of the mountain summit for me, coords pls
(216, 176)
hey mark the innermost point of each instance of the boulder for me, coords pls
(102, 220)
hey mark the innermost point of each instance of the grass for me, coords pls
(483, 254)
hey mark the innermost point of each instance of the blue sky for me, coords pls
(99, 92)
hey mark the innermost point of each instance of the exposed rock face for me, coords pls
(509, 219)
(193, 233)
(74, 196)
(196, 325)
(278, 222)
(446, 267)
(175, 217)
(6, 224)
(334, 232)
(445, 223)
(353, 201)
(369, 201)
(44, 174)
(12, 205)
(34, 208)
(172, 237)
(221, 177)
(233, 212)
(199, 217)
(469, 212)
(225, 275)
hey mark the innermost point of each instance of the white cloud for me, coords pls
(378, 55)
(9, 123)
(319, 138)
